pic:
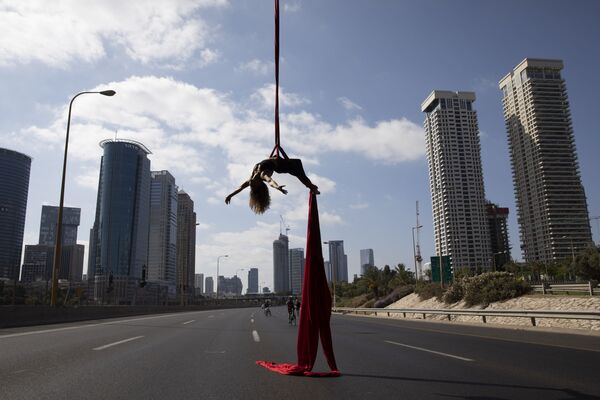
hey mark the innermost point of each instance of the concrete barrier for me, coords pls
(22, 315)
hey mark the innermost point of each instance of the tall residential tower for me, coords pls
(14, 186)
(456, 179)
(551, 203)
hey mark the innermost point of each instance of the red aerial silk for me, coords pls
(315, 310)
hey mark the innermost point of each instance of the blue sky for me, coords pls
(193, 82)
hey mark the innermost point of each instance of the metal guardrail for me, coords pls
(590, 287)
(531, 314)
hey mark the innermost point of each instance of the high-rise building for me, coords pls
(162, 253)
(14, 186)
(328, 271)
(338, 261)
(296, 270)
(551, 203)
(71, 265)
(199, 284)
(186, 243)
(37, 263)
(48, 225)
(119, 237)
(366, 260)
(229, 286)
(456, 179)
(209, 287)
(497, 223)
(252, 281)
(281, 265)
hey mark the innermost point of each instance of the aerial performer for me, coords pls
(260, 199)
(316, 298)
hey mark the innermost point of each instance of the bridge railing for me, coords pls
(531, 314)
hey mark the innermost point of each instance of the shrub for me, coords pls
(368, 304)
(456, 292)
(493, 286)
(393, 297)
(427, 290)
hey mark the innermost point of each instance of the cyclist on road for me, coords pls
(291, 314)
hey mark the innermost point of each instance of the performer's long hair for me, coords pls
(260, 199)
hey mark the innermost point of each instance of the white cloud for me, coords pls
(359, 206)
(257, 67)
(348, 104)
(265, 96)
(61, 32)
(292, 7)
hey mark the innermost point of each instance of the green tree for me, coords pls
(372, 279)
(587, 264)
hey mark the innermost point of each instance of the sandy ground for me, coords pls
(530, 302)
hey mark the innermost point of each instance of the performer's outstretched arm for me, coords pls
(242, 187)
(265, 177)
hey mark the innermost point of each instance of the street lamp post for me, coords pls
(217, 282)
(414, 251)
(58, 245)
(332, 275)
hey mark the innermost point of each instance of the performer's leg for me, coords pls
(297, 170)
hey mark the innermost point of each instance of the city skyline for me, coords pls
(205, 110)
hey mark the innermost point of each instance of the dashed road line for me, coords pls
(188, 322)
(429, 351)
(255, 336)
(106, 346)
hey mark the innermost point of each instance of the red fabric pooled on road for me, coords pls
(315, 309)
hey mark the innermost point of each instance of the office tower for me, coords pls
(186, 244)
(14, 186)
(551, 203)
(456, 179)
(338, 261)
(328, 271)
(296, 270)
(48, 225)
(71, 265)
(37, 263)
(252, 281)
(209, 287)
(366, 260)
(281, 265)
(199, 284)
(497, 223)
(228, 287)
(162, 253)
(119, 237)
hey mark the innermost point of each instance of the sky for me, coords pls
(195, 84)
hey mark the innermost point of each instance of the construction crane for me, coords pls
(282, 224)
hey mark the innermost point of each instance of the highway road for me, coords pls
(212, 354)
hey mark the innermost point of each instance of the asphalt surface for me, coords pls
(212, 354)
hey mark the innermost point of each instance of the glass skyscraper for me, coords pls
(14, 186)
(119, 237)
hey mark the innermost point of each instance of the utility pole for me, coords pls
(418, 258)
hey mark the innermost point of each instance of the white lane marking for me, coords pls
(211, 316)
(215, 351)
(106, 346)
(90, 325)
(19, 371)
(188, 322)
(429, 351)
(255, 336)
(251, 320)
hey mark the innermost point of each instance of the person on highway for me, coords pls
(290, 307)
(297, 304)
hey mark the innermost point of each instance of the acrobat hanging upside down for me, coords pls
(260, 199)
